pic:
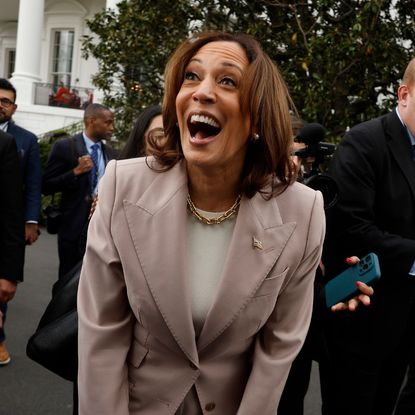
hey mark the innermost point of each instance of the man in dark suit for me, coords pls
(28, 153)
(374, 168)
(74, 167)
(11, 229)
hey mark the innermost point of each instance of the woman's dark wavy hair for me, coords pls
(264, 97)
(136, 143)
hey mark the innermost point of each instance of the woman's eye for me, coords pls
(228, 81)
(190, 76)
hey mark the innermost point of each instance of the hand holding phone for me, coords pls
(343, 287)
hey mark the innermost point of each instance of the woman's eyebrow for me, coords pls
(232, 65)
(226, 64)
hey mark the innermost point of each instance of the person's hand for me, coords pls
(297, 160)
(363, 298)
(31, 233)
(85, 164)
(7, 290)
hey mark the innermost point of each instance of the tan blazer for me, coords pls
(138, 353)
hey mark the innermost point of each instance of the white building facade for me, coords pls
(40, 51)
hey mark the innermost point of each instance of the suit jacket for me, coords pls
(28, 150)
(138, 353)
(375, 173)
(76, 190)
(11, 211)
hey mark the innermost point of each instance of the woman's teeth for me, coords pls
(195, 118)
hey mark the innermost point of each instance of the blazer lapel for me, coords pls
(11, 128)
(157, 223)
(400, 147)
(20, 143)
(259, 238)
(79, 146)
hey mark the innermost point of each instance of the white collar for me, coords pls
(4, 126)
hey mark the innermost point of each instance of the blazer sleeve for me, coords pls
(282, 337)
(58, 175)
(105, 317)
(32, 181)
(11, 214)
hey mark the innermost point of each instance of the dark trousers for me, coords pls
(364, 380)
(70, 253)
(406, 402)
(75, 398)
(295, 390)
(292, 398)
(3, 309)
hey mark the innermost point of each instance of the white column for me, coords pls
(28, 48)
(112, 4)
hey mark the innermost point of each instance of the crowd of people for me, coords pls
(206, 260)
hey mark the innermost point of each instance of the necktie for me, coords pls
(94, 170)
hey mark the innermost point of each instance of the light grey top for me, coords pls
(207, 249)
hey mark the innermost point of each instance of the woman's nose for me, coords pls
(205, 91)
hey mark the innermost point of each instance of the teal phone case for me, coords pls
(343, 286)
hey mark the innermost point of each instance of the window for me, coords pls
(10, 61)
(63, 43)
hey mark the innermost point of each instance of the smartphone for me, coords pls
(343, 286)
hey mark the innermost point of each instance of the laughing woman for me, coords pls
(197, 285)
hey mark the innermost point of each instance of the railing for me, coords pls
(63, 96)
(67, 131)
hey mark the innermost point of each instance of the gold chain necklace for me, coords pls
(213, 221)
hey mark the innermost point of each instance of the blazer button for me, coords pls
(193, 366)
(210, 406)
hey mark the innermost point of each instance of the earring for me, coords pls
(255, 137)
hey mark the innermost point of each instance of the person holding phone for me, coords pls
(374, 168)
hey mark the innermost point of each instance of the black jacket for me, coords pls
(375, 172)
(58, 176)
(11, 211)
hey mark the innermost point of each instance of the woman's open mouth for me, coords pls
(203, 126)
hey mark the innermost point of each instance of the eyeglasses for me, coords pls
(6, 103)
